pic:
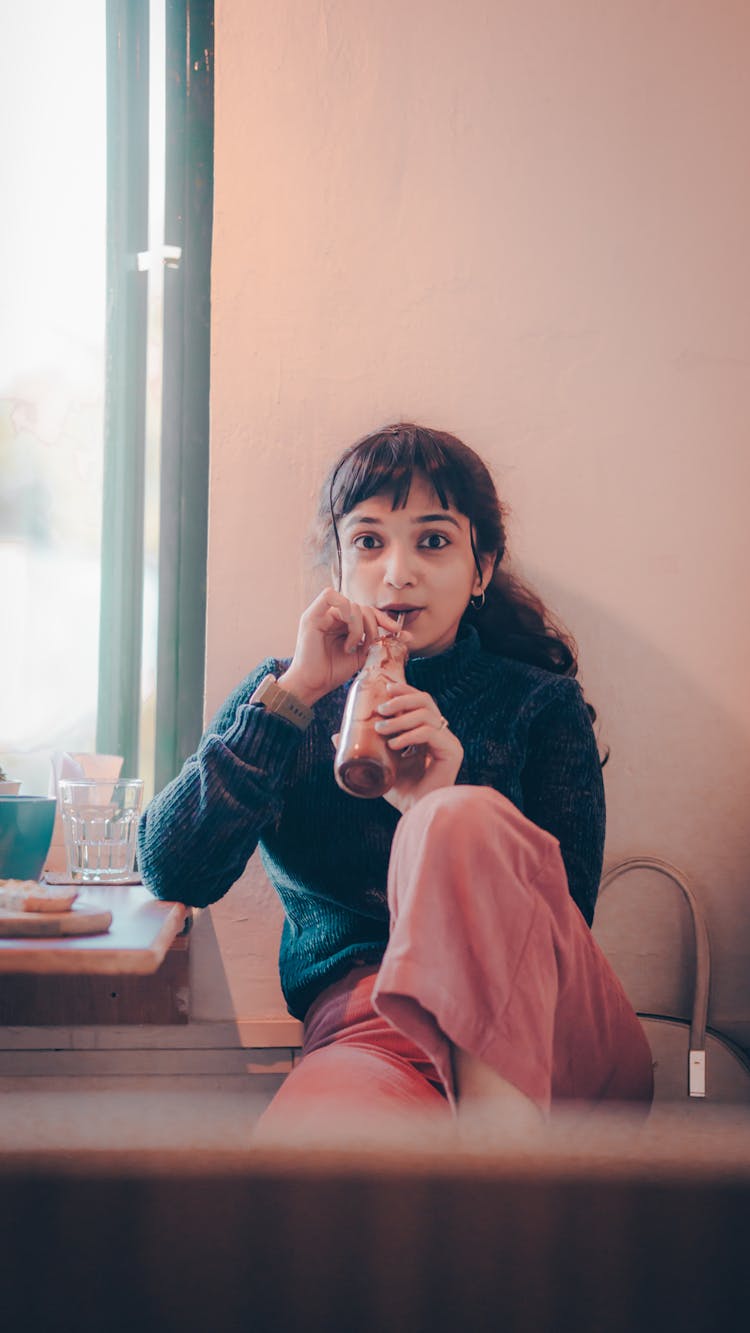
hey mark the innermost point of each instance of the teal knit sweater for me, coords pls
(255, 780)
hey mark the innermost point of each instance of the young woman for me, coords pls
(436, 941)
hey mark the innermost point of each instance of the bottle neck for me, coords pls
(387, 655)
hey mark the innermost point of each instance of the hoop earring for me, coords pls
(478, 602)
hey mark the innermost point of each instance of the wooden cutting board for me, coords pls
(78, 921)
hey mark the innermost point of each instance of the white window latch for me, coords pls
(168, 255)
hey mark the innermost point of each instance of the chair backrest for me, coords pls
(689, 1057)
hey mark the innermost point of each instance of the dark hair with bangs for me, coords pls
(513, 622)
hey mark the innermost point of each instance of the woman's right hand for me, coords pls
(333, 639)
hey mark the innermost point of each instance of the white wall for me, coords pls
(527, 223)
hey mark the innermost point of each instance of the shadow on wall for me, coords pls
(234, 953)
(678, 788)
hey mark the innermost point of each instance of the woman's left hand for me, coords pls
(411, 717)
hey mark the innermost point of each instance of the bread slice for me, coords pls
(26, 895)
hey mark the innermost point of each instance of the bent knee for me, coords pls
(467, 804)
(478, 814)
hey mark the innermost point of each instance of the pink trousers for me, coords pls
(487, 952)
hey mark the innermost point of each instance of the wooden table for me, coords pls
(142, 930)
(136, 972)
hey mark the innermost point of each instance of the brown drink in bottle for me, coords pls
(365, 765)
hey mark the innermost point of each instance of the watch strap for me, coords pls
(282, 702)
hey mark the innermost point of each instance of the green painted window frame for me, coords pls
(186, 382)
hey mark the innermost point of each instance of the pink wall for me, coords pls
(526, 223)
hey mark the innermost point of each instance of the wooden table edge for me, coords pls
(66, 959)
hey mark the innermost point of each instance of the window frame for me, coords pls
(123, 487)
(183, 542)
(183, 520)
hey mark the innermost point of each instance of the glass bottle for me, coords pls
(365, 765)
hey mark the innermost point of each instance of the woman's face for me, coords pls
(418, 559)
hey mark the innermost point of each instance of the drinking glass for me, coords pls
(99, 822)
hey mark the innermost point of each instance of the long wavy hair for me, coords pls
(513, 621)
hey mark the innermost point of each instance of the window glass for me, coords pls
(52, 95)
(52, 380)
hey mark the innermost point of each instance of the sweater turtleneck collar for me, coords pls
(446, 670)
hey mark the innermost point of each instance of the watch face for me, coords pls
(266, 691)
(270, 691)
(279, 701)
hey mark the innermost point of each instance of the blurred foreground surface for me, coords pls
(174, 1219)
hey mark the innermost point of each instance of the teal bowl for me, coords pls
(26, 824)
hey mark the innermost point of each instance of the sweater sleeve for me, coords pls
(563, 790)
(196, 836)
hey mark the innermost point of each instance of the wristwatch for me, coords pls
(281, 702)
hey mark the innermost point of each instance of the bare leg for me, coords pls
(490, 1109)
